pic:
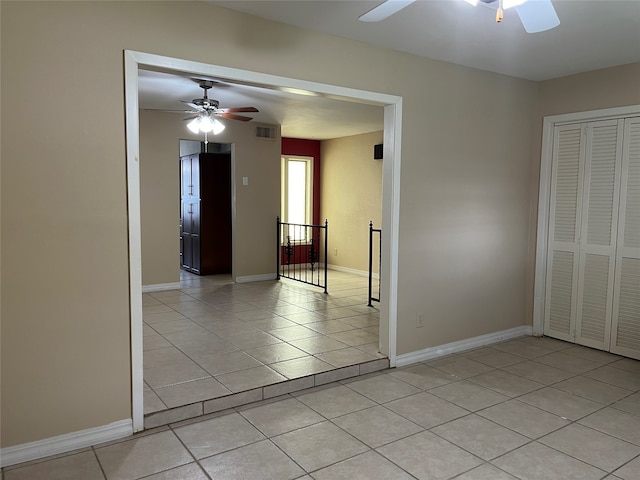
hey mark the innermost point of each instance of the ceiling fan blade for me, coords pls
(167, 111)
(233, 116)
(384, 10)
(537, 15)
(237, 109)
(192, 105)
(190, 118)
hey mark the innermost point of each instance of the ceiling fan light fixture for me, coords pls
(218, 126)
(206, 124)
(194, 125)
(205, 110)
(535, 15)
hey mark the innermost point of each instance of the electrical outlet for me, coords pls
(419, 320)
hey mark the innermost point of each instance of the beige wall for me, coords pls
(65, 309)
(257, 204)
(464, 200)
(351, 186)
(468, 152)
(606, 88)
(159, 197)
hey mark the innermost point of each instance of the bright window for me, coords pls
(297, 186)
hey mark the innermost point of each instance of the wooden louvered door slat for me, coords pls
(564, 227)
(598, 228)
(626, 303)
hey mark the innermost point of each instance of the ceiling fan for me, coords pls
(205, 110)
(210, 106)
(535, 15)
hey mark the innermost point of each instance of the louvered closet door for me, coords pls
(626, 311)
(598, 233)
(564, 227)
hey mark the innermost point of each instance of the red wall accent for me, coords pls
(307, 148)
(299, 254)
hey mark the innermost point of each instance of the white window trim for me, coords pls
(308, 190)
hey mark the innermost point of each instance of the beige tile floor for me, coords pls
(529, 409)
(213, 338)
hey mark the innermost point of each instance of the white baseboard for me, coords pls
(256, 278)
(65, 443)
(461, 345)
(361, 273)
(160, 287)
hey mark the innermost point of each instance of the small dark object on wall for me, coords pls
(377, 152)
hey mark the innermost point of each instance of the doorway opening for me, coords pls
(391, 186)
(206, 215)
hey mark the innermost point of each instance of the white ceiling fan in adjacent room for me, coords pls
(535, 15)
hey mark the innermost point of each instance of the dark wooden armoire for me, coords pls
(205, 213)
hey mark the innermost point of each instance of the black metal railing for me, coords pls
(372, 233)
(302, 252)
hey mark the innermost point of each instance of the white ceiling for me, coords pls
(300, 116)
(592, 34)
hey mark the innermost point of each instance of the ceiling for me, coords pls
(300, 116)
(592, 34)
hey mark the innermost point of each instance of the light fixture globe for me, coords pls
(194, 125)
(218, 126)
(206, 124)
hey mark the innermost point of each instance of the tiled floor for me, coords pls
(529, 409)
(213, 338)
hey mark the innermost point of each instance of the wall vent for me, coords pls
(265, 132)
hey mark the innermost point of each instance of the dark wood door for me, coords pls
(205, 213)
(215, 196)
(185, 189)
(190, 234)
(189, 213)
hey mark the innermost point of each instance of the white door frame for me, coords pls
(544, 196)
(390, 192)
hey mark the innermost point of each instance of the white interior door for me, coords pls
(587, 168)
(598, 232)
(564, 229)
(626, 311)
